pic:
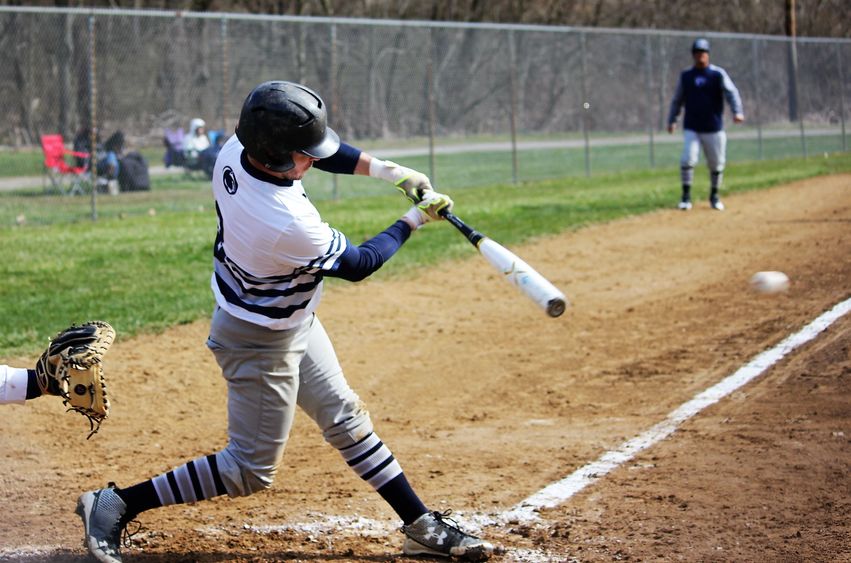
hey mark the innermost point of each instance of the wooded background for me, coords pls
(67, 69)
(827, 18)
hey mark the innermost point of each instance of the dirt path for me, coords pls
(494, 401)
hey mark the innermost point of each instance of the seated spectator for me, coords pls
(109, 156)
(173, 141)
(207, 158)
(195, 142)
(83, 143)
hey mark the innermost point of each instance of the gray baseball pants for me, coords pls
(269, 373)
(714, 146)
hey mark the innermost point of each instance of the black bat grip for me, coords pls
(472, 234)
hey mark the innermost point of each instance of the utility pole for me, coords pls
(792, 60)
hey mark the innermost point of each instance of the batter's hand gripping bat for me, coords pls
(515, 270)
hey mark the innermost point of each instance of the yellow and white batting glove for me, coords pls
(429, 209)
(415, 185)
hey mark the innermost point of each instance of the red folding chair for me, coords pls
(68, 179)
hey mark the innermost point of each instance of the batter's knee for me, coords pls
(243, 476)
(352, 429)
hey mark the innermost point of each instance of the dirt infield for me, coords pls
(485, 401)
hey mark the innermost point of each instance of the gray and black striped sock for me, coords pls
(193, 481)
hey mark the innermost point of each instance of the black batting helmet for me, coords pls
(279, 118)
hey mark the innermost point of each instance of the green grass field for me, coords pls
(179, 192)
(145, 271)
(28, 162)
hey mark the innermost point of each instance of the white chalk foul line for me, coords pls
(557, 493)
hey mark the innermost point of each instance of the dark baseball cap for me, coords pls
(700, 45)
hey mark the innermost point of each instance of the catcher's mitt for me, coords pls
(71, 368)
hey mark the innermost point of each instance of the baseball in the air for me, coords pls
(769, 282)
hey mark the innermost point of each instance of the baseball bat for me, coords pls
(515, 270)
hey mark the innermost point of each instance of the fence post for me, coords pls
(65, 114)
(757, 118)
(432, 165)
(225, 75)
(649, 78)
(663, 82)
(841, 93)
(512, 59)
(371, 129)
(93, 161)
(332, 80)
(586, 106)
(796, 93)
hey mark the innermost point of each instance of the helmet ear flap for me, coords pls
(284, 163)
(281, 162)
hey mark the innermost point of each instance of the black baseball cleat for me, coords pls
(102, 512)
(434, 533)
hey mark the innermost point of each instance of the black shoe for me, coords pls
(434, 534)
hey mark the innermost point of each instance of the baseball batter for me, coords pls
(702, 89)
(271, 253)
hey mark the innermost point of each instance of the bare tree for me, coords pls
(814, 17)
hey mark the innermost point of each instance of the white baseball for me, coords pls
(769, 282)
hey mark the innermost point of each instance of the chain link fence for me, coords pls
(470, 104)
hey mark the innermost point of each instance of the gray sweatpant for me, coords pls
(268, 373)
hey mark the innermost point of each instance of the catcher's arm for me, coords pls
(72, 368)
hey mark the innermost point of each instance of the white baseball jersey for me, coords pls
(271, 247)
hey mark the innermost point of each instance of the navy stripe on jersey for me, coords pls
(275, 297)
(271, 312)
(308, 284)
(337, 241)
(244, 275)
(292, 290)
(333, 248)
(257, 280)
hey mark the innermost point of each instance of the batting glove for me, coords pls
(413, 184)
(428, 209)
